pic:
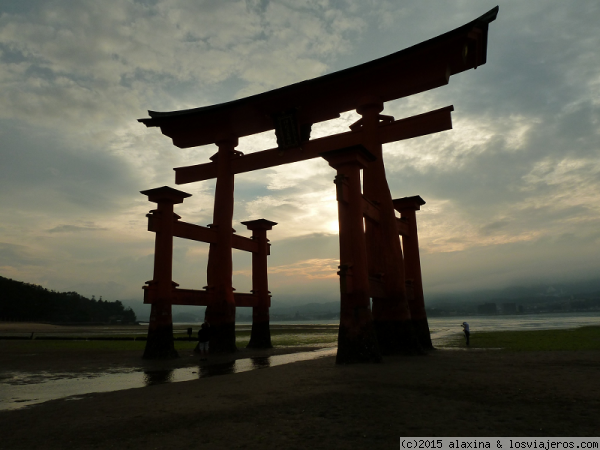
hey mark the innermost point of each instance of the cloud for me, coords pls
(517, 177)
(75, 229)
(551, 259)
(37, 162)
(14, 255)
(105, 62)
(309, 269)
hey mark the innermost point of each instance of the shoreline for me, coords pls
(480, 323)
(47, 328)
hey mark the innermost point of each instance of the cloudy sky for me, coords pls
(513, 191)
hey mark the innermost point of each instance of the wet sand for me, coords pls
(316, 404)
(14, 359)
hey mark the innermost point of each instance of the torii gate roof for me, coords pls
(416, 69)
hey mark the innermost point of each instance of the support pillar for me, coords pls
(260, 336)
(407, 207)
(391, 314)
(221, 311)
(356, 339)
(159, 344)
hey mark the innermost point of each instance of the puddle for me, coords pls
(24, 389)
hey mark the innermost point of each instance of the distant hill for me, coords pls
(29, 302)
(307, 311)
(533, 293)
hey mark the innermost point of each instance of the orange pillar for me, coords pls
(407, 207)
(260, 336)
(356, 339)
(159, 344)
(391, 315)
(221, 311)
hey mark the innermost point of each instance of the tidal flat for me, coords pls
(315, 404)
(573, 339)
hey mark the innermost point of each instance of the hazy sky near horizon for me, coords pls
(512, 192)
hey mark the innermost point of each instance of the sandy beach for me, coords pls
(316, 404)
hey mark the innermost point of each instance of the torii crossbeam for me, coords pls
(389, 131)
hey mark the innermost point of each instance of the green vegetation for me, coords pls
(29, 302)
(281, 336)
(295, 336)
(39, 345)
(583, 338)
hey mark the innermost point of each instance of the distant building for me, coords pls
(509, 308)
(487, 308)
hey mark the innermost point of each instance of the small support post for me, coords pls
(407, 207)
(221, 311)
(356, 340)
(159, 344)
(260, 336)
(391, 314)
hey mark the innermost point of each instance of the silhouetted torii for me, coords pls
(372, 265)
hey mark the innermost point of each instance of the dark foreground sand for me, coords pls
(316, 404)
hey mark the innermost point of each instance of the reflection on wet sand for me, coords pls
(152, 377)
(217, 369)
(22, 389)
(261, 362)
(235, 366)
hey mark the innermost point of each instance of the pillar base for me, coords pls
(221, 318)
(357, 342)
(222, 338)
(260, 336)
(421, 328)
(397, 338)
(159, 344)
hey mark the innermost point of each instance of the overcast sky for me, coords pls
(512, 192)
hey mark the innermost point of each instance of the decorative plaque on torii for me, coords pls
(382, 308)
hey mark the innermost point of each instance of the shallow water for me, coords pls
(19, 389)
(544, 321)
(445, 328)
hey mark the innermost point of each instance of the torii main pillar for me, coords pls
(391, 314)
(356, 339)
(220, 314)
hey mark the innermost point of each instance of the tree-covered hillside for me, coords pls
(29, 302)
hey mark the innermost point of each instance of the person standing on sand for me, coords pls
(203, 339)
(465, 326)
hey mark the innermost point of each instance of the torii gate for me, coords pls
(372, 265)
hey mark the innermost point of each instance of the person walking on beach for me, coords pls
(203, 339)
(465, 326)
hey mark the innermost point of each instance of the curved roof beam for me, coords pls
(416, 69)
